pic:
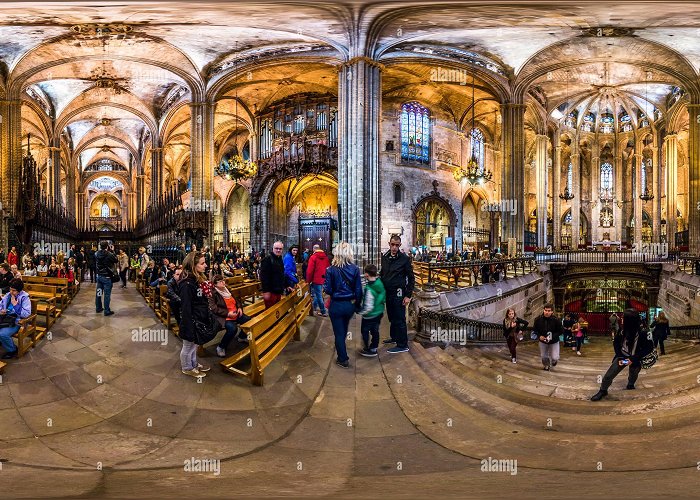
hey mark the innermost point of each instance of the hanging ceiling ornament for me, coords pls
(235, 167)
(473, 173)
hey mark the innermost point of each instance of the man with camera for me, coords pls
(104, 262)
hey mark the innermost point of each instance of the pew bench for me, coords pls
(46, 296)
(27, 336)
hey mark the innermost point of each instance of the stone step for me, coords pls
(463, 428)
(511, 404)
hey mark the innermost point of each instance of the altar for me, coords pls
(607, 245)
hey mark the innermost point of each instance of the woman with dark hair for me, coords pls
(513, 331)
(194, 290)
(631, 345)
(13, 307)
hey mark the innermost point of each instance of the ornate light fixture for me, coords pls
(567, 195)
(473, 173)
(646, 195)
(236, 167)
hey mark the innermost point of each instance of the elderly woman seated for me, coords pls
(13, 307)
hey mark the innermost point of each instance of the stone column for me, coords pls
(576, 202)
(202, 158)
(636, 200)
(694, 178)
(617, 231)
(156, 174)
(655, 204)
(514, 170)
(11, 158)
(53, 170)
(595, 204)
(671, 168)
(541, 142)
(70, 191)
(556, 191)
(140, 194)
(359, 102)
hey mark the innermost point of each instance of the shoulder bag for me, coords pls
(205, 331)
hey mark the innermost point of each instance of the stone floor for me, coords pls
(92, 413)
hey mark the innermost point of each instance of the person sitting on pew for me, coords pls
(14, 306)
(53, 271)
(226, 270)
(42, 267)
(30, 270)
(15, 272)
(5, 277)
(172, 294)
(228, 314)
(66, 271)
(150, 275)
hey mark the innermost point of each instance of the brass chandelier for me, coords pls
(472, 173)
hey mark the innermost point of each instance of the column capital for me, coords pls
(355, 60)
(156, 150)
(53, 148)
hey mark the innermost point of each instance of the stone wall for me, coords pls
(679, 296)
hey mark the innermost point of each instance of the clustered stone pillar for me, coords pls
(359, 100)
(671, 168)
(556, 187)
(10, 138)
(694, 178)
(541, 142)
(53, 171)
(636, 200)
(156, 173)
(202, 158)
(576, 202)
(653, 180)
(513, 171)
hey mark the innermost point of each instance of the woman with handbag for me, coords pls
(513, 331)
(344, 286)
(13, 307)
(633, 348)
(197, 323)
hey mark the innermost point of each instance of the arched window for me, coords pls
(606, 180)
(476, 146)
(415, 133)
(570, 178)
(105, 209)
(398, 193)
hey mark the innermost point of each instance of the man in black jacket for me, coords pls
(631, 345)
(398, 279)
(5, 277)
(104, 265)
(272, 278)
(548, 327)
(91, 263)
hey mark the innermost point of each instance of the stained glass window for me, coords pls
(415, 133)
(570, 178)
(588, 122)
(105, 209)
(607, 124)
(567, 217)
(476, 146)
(606, 180)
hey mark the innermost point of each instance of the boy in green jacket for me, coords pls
(374, 297)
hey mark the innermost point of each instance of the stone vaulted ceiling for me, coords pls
(133, 62)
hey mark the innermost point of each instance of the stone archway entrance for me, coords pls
(434, 222)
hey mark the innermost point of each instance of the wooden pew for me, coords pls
(166, 316)
(247, 292)
(46, 296)
(269, 332)
(61, 286)
(27, 336)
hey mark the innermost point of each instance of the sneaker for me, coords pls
(318, 313)
(98, 311)
(325, 315)
(368, 353)
(599, 395)
(194, 373)
(578, 352)
(573, 348)
(546, 368)
(203, 368)
(629, 387)
(221, 352)
(397, 349)
(343, 364)
(389, 341)
(513, 360)
(109, 313)
(554, 363)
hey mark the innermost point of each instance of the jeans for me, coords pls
(579, 343)
(396, 312)
(615, 369)
(6, 334)
(122, 275)
(659, 341)
(340, 313)
(188, 355)
(231, 329)
(104, 289)
(549, 353)
(371, 326)
(317, 297)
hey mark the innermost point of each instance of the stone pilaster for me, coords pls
(359, 102)
(11, 140)
(576, 202)
(636, 200)
(541, 143)
(53, 170)
(694, 178)
(156, 174)
(617, 231)
(556, 191)
(655, 187)
(671, 168)
(202, 157)
(514, 170)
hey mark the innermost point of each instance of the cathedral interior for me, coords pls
(525, 153)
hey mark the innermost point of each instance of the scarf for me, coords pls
(225, 293)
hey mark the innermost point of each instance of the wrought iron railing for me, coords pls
(458, 274)
(586, 257)
(688, 332)
(448, 328)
